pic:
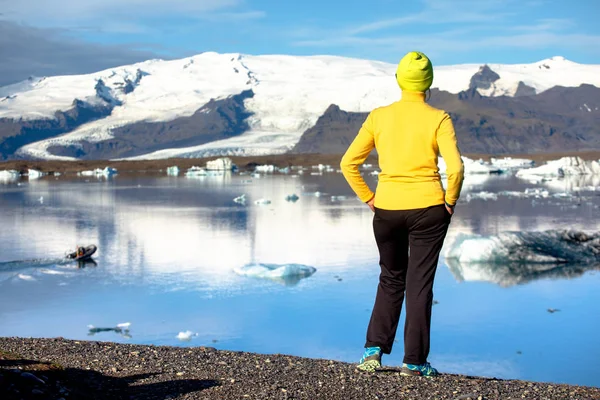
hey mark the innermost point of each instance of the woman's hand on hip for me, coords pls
(371, 204)
(449, 209)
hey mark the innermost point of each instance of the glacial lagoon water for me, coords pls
(168, 248)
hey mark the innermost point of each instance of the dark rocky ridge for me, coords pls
(553, 121)
(484, 78)
(216, 120)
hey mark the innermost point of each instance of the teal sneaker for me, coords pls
(425, 370)
(371, 359)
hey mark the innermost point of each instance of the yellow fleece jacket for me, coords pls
(408, 135)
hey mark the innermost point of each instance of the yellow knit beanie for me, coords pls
(415, 72)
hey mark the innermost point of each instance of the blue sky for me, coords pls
(449, 31)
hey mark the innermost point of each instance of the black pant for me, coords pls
(396, 231)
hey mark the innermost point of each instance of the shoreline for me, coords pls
(243, 163)
(71, 369)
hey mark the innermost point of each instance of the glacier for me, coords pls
(282, 108)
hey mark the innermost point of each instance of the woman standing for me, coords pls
(412, 210)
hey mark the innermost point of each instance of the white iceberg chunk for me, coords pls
(195, 172)
(481, 196)
(173, 171)
(471, 167)
(566, 166)
(124, 325)
(106, 172)
(220, 164)
(186, 336)
(264, 168)
(26, 277)
(511, 163)
(9, 176)
(288, 273)
(35, 174)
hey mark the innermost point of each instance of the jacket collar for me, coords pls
(418, 97)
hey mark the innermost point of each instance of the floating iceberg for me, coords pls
(35, 174)
(481, 196)
(338, 198)
(106, 172)
(9, 176)
(220, 164)
(552, 247)
(195, 172)
(565, 166)
(472, 167)
(285, 170)
(262, 202)
(292, 198)
(264, 168)
(173, 171)
(287, 273)
(511, 163)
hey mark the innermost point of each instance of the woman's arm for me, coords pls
(446, 139)
(355, 156)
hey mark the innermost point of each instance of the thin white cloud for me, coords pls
(122, 16)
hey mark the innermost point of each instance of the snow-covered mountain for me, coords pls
(281, 98)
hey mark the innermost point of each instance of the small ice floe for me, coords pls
(41, 199)
(264, 168)
(173, 171)
(292, 198)
(35, 174)
(285, 170)
(481, 196)
(288, 274)
(57, 174)
(240, 199)
(338, 198)
(262, 202)
(316, 173)
(256, 175)
(220, 164)
(25, 277)
(186, 336)
(315, 194)
(52, 272)
(367, 166)
(194, 172)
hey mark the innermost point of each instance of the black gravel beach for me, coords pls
(67, 369)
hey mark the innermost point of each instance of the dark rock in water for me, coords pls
(484, 78)
(524, 90)
(553, 310)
